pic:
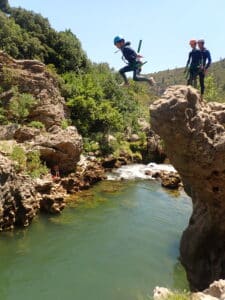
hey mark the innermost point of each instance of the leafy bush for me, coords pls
(90, 146)
(211, 89)
(29, 162)
(97, 103)
(36, 124)
(3, 116)
(20, 105)
(65, 123)
(9, 78)
(19, 156)
(34, 166)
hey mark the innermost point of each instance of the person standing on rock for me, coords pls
(193, 64)
(205, 64)
(133, 61)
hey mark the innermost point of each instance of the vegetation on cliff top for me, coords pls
(98, 107)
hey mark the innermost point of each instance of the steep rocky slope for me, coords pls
(20, 196)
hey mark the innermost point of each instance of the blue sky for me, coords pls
(165, 26)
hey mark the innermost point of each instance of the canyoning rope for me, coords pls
(139, 46)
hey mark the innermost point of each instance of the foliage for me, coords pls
(211, 89)
(69, 55)
(19, 156)
(98, 105)
(90, 145)
(37, 124)
(4, 6)
(25, 34)
(17, 42)
(20, 105)
(3, 116)
(178, 296)
(29, 162)
(9, 78)
(65, 123)
(53, 71)
(34, 166)
(122, 147)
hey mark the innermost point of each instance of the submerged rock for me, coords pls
(194, 136)
(170, 180)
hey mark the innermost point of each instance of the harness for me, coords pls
(136, 65)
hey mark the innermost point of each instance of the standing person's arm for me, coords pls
(188, 62)
(209, 60)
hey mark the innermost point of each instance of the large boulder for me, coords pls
(194, 136)
(18, 201)
(58, 147)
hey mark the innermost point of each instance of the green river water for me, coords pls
(120, 242)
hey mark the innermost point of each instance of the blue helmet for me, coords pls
(118, 39)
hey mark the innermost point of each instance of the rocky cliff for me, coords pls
(20, 196)
(57, 146)
(194, 136)
(19, 202)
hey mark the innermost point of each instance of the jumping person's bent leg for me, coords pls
(122, 72)
(138, 77)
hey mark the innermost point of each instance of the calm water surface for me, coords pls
(118, 244)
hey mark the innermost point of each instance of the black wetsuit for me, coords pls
(206, 57)
(134, 65)
(195, 61)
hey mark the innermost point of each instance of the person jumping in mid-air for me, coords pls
(193, 64)
(133, 62)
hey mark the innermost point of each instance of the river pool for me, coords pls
(120, 242)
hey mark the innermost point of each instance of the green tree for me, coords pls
(69, 54)
(28, 35)
(4, 6)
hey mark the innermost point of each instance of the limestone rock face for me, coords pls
(155, 151)
(57, 146)
(18, 201)
(31, 76)
(194, 136)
